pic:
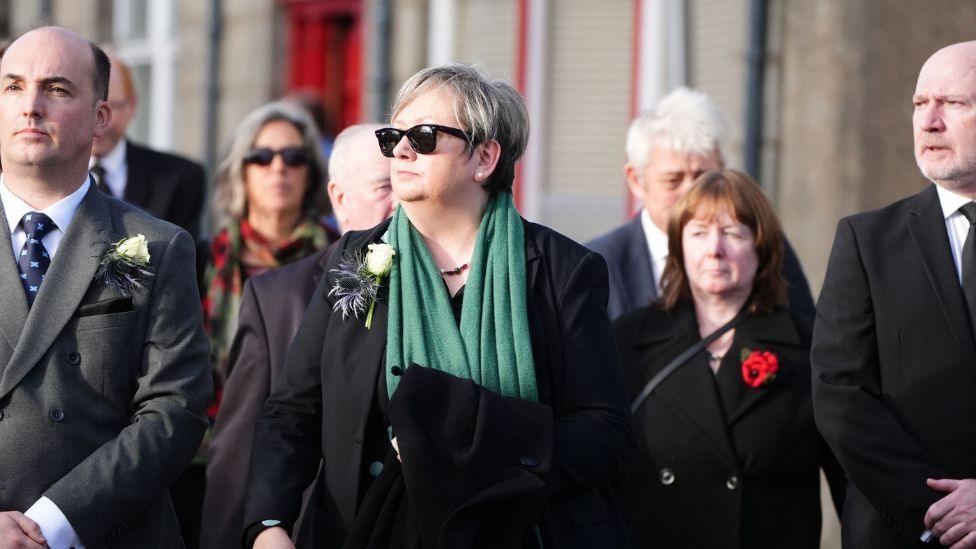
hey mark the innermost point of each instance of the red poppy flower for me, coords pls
(759, 368)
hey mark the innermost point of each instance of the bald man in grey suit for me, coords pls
(102, 385)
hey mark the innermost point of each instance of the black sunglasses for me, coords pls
(291, 156)
(422, 137)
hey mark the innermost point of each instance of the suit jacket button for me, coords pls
(57, 415)
(666, 476)
(74, 358)
(529, 461)
(375, 468)
(732, 482)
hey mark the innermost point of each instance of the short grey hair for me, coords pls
(486, 109)
(341, 160)
(685, 121)
(229, 201)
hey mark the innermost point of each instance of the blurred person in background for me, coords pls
(728, 453)
(167, 186)
(485, 361)
(269, 204)
(668, 147)
(272, 308)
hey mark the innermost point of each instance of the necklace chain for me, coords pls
(455, 271)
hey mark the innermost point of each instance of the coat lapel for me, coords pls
(636, 273)
(11, 289)
(68, 279)
(757, 333)
(690, 389)
(926, 224)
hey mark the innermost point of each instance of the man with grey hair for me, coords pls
(894, 348)
(668, 147)
(272, 308)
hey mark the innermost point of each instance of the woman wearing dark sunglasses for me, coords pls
(268, 206)
(476, 399)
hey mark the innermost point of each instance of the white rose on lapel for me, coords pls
(134, 248)
(123, 265)
(379, 259)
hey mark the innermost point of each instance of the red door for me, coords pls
(325, 55)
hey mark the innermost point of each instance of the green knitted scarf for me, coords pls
(492, 346)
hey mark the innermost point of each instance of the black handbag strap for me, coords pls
(682, 358)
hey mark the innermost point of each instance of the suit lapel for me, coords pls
(926, 224)
(68, 279)
(757, 333)
(690, 389)
(637, 273)
(11, 289)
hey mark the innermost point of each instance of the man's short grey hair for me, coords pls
(342, 160)
(229, 201)
(685, 121)
(486, 109)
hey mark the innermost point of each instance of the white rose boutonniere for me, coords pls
(358, 281)
(124, 264)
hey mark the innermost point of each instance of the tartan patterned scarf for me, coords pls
(238, 252)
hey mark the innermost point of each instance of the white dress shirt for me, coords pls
(956, 224)
(116, 168)
(54, 525)
(657, 244)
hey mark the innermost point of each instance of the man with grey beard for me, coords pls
(893, 355)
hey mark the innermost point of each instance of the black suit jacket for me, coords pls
(705, 478)
(318, 408)
(632, 279)
(168, 186)
(272, 307)
(894, 367)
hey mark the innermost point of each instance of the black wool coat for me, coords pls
(319, 407)
(711, 475)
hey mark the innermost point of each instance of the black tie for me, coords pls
(98, 172)
(969, 260)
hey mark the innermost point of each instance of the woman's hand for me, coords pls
(273, 538)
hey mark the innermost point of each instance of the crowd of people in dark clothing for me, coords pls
(400, 360)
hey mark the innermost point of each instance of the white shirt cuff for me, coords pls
(54, 525)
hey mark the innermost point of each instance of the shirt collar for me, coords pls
(950, 201)
(656, 238)
(61, 212)
(114, 161)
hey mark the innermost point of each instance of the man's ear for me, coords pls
(103, 117)
(634, 181)
(487, 155)
(337, 198)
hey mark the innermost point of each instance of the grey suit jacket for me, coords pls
(102, 395)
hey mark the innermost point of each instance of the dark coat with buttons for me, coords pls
(894, 365)
(721, 464)
(102, 394)
(318, 410)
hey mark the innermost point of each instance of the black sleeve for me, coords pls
(886, 463)
(286, 448)
(594, 437)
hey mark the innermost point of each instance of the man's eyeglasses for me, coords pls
(291, 156)
(422, 137)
